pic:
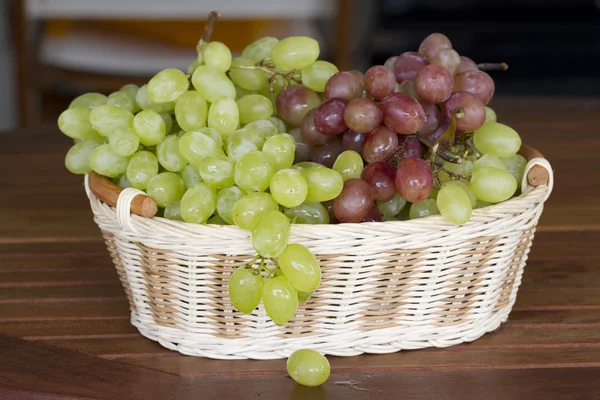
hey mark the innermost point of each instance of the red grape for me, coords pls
(408, 65)
(473, 108)
(329, 206)
(354, 202)
(327, 153)
(379, 82)
(353, 141)
(390, 63)
(448, 59)
(310, 132)
(329, 118)
(345, 85)
(477, 83)
(380, 176)
(414, 180)
(432, 119)
(358, 75)
(434, 43)
(434, 83)
(363, 115)
(466, 64)
(402, 113)
(379, 145)
(303, 149)
(294, 102)
(374, 215)
(410, 146)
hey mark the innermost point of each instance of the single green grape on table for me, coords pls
(308, 367)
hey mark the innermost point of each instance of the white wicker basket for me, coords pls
(386, 286)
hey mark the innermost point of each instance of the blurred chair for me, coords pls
(104, 62)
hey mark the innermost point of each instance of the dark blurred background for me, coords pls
(53, 50)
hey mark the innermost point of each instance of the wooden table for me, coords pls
(66, 321)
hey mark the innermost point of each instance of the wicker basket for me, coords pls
(386, 286)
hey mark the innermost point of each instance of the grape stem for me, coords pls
(493, 66)
(213, 16)
(270, 68)
(250, 263)
(263, 267)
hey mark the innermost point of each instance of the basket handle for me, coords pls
(109, 193)
(538, 174)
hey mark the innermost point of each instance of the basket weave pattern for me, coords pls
(385, 286)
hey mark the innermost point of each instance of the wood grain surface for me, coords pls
(64, 319)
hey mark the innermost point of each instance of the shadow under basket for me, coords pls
(386, 286)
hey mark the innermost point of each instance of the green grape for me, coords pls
(300, 267)
(218, 55)
(254, 107)
(279, 124)
(323, 183)
(307, 164)
(349, 164)
(88, 100)
(250, 206)
(173, 211)
(217, 171)
(150, 127)
(247, 78)
(224, 116)
(490, 115)
(146, 103)
(191, 111)
(213, 133)
(194, 146)
(266, 127)
(464, 187)
(454, 204)
(295, 52)
(107, 118)
(464, 168)
(497, 139)
(271, 233)
(277, 85)
(212, 83)
(77, 158)
(124, 142)
(516, 166)
(308, 367)
(260, 49)
(124, 182)
(216, 220)
(169, 156)
(239, 146)
(489, 160)
(103, 161)
(279, 150)
(423, 208)
(481, 204)
(239, 92)
(192, 67)
(310, 212)
(167, 85)
(198, 203)
(280, 300)
(245, 289)
(142, 167)
(316, 75)
(75, 123)
(288, 187)
(165, 188)
(125, 100)
(190, 176)
(303, 296)
(131, 89)
(256, 136)
(492, 184)
(434, 191)
(226, 199)
(253, 172)
(392, 207)
(168, 120)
